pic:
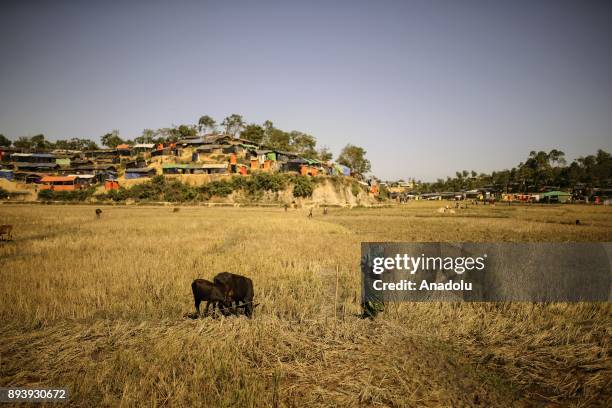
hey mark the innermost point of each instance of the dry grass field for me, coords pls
(99, 306)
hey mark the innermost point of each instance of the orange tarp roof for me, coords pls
(50, 179)
(123, 146)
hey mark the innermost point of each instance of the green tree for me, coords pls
(185, 131)
(39, 142)
(278, 139)
(325, 154)
(89, 144)
(4, 141)
(112, 139)
(206, 123)
(233, 124)
(75, 144)
(354, 157)
(556, 157)
(303, 144)
(167, 135)
(148, 136)
(23, 142)
(254, 133)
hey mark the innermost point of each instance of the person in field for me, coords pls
(6, 232)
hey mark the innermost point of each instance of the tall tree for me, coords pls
(185, 131)
(206, 123)
(112, 139)
(148, 136)
(325, 154)
(354, 157)
(4, 141)
(39, 142)
(233, 124)
(556, 157)
(303, 144)
(254, 133)
(75, 144)
(23, 142)
(167, 135)
(278, 139)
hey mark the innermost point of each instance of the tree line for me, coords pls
(540, 169)
(234, 125)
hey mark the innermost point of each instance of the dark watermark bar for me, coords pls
(477, 272)
(18, 394)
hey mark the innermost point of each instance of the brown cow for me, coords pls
(208, 291)
(236, 288)
(6, 231)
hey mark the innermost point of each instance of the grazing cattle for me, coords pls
(237, 288)
(176, 209)
(6, 232)
(98, 212)
(208, 291)
(324, 210)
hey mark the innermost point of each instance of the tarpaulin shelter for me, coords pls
(139, 172)
(555, 197)
(33, 157)
(37, 167)
(63, 162)
(111, 185)
(59, 183)
(7, 174)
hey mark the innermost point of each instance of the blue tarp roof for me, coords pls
(7, 174)
(140, 170)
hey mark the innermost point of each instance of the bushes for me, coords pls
(355, 189)
(383, 194)
(302, 186)
(161, 189)
(260, 182)
(75, 195)
(179, 192)
(157, 189)
(218, 188)
(269, 181)
(115, 195)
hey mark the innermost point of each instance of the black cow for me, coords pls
(211, 293)
(98, 212)
(237, 288)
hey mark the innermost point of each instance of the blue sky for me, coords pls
(426, 87)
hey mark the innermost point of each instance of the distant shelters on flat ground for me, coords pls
(404, 192)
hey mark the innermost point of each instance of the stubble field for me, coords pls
(99, 307)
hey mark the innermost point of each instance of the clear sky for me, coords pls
(426, 87)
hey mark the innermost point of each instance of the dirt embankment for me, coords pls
(19, 191)
(325, 193)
